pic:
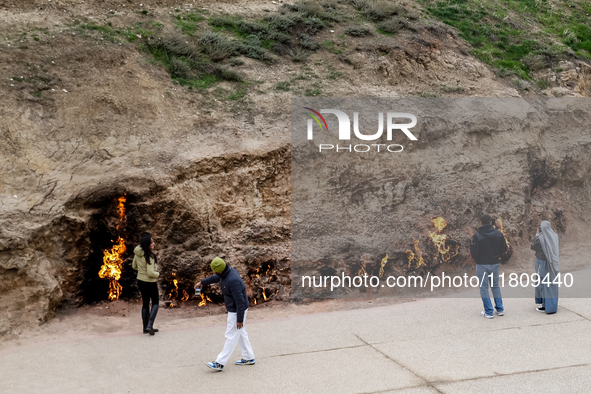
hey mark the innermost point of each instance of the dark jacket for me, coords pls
(233, 290)
(536, 245)
(487, 246)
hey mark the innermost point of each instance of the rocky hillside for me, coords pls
(184, 109)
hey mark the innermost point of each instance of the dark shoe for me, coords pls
(153, 314)
(147, 332)
(541, 309)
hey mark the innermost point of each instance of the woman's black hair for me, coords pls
(145, 243)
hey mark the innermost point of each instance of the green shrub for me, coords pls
(179, 68)
(223, 21)
(229, 75)
(380, 10)
(304, 8)
(358, 31)
(361, 5)
(281, 49)
(308, 43)
(253, 28)
(393, 25)
(216, 46)
(281, 22)
(536, 62)
(174, 46)
(253, 52)
(298, 54)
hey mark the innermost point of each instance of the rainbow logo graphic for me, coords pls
(316, 118)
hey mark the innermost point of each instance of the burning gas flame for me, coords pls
(112, 261)
(121, 209)
(440, 239)
(362, 271)
(111, 268)
(263, 275)
(204, 300)
(418, 257)
(384, 261)
(439, 223)
(499, 226)
(174, 293)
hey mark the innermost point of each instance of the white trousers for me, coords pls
(235, 336)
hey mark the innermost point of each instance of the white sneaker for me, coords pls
(485, 315)
(501, 313)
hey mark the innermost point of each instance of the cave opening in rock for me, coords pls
(104, 228)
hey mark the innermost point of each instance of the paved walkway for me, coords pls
(422, 347)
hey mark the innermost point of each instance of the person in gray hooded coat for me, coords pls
(545, 244)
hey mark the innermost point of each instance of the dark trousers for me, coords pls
(149, 292)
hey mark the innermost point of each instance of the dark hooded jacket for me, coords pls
(233, 290)
(487, 246)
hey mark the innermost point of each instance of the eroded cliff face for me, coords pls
(235, 207)
(201, 180)
(86, 121)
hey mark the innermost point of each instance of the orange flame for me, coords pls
(111, 268)
(418, 257)
(112, 261)
(362, 271)
(440, 239)
(499, 226)
(264, 295)
(439, 223)
(204, 300)
(255, 301)
(384, 261)
(410, 255)
(174, 291)
(121, 209)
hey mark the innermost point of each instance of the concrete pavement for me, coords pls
(421, 347)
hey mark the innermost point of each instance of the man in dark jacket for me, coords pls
(236, 302)
(487, 246)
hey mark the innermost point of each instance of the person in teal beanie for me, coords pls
(236, 301)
